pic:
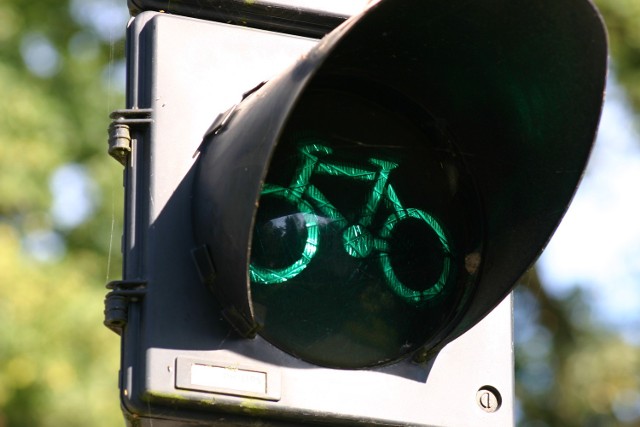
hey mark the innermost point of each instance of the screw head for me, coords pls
(488, 399)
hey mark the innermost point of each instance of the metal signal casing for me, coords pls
(518, 85)
(182, 364)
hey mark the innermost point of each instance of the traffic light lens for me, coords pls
(363, 225)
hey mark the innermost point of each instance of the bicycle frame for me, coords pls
(357, 239)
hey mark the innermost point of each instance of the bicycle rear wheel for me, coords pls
(285, 237)
(417, 265)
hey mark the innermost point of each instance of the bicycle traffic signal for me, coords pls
(359, 236)
(355, 217)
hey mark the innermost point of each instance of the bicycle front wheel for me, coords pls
(285, 237)
(417, 263)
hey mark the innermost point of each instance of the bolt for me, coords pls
(489, 399)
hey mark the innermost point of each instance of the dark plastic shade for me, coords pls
(516, 85)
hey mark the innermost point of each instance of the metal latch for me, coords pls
(120, 130)
(116, 303)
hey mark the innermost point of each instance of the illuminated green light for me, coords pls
(358, 240)
(362, 229)
(278, 275)
(395, 284)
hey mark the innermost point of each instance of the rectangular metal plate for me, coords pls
(257, 381)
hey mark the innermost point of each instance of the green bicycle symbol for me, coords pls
(357, 239)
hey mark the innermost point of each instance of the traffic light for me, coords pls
(320, 231)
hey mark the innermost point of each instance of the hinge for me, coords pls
(116, 303)
(120, 130)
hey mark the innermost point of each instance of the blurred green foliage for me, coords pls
(571, 370)
(58, 364)
(60, 66)
(622, 18)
